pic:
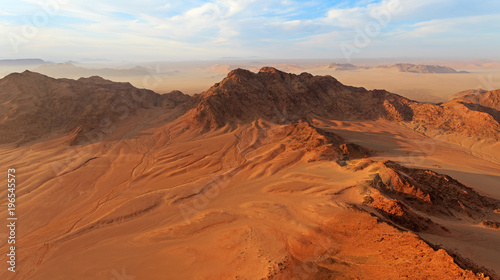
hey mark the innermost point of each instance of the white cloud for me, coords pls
(6, 14)
(453, 26)
(347, 18)
(230, 27)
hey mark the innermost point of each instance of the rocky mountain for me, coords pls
(33, 106)
(270, 94)
(489, 99)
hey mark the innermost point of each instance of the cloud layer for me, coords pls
(187, 30)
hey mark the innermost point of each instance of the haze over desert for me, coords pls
(250, 139)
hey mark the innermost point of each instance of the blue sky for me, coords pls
(193, 30)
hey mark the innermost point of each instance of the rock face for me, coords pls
(456, 117)
(482, 101)
(412, 198)
(488, 99)
(432, 193)
(475, 114)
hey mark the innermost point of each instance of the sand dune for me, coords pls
(217, 186)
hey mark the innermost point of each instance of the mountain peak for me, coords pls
(95, 79)
(25, 75)
(279, 97)
(63, 105)
(240, 73)
(272, 70)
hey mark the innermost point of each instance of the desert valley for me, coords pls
(264, 175)
(250, 140)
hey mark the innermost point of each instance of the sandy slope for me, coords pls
(395, 142)
(224, 205)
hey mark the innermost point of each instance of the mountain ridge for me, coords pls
(242, 97)
(421, 68)
(275, 95)
(34, 105)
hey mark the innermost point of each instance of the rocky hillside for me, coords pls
(273, 95)
(270, 94)
(484, 101)
(34, 106)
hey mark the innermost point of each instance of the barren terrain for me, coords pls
(264, 175)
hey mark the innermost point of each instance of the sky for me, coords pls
(154, 30)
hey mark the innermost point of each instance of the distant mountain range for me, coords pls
(69, 70)
(22, 62)
(412, 68)
(400, 67)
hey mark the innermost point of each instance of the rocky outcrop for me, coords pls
(325, 144)
(425, 191)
